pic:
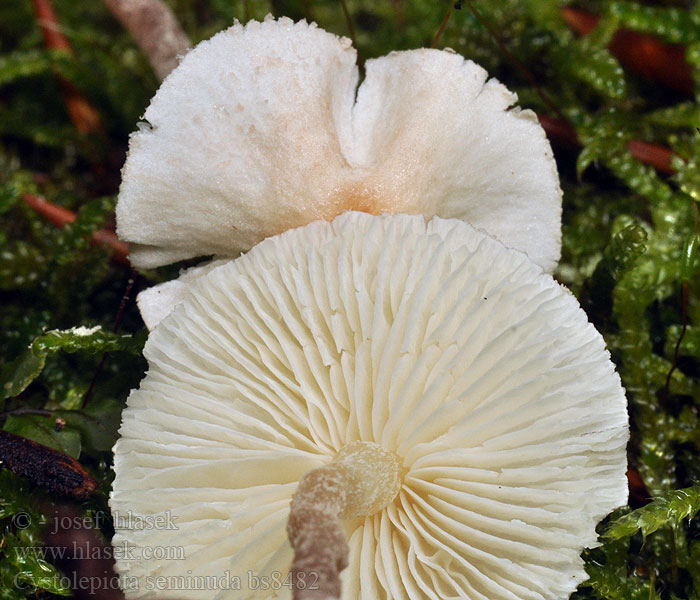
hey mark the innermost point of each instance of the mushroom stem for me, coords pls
(317, 536)
(363, 479)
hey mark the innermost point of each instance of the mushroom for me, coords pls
(442, 399)
(262, 128)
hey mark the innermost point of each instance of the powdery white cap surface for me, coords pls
(430, 339)
(262, 129)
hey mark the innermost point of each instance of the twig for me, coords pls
(155, 29)
(60, 217)
(444, 23)
(690, 255)
(83, 115)
(117, 323)
(26, 411)
(689, 258)
(48, 468)
(676, 351)
(50, 29)
(308, 10)
(348, 19)
(648, 56)
(399, 13)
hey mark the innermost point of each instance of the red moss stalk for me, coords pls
(654, 155)
(639, 52)
(657, 156)
(60, 217)
(639, 495)
(82, 114)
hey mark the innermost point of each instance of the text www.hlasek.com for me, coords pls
(124, 551)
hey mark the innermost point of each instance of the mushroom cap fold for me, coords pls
(262, 129)
(156, 302)
(430, 339)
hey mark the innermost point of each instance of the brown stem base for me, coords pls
(316, 534)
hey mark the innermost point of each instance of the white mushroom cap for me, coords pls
(433, 341)
(156, 302)
(260, 130)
